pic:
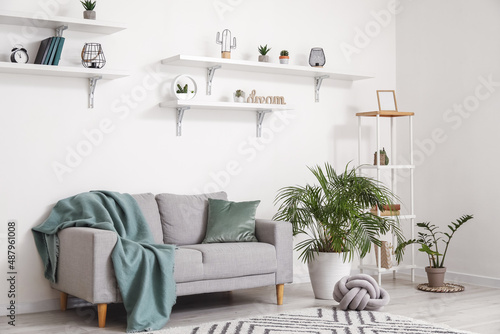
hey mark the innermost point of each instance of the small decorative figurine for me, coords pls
(226, 43)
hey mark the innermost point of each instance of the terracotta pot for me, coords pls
(325, 271)
(89, 15)
(435, 276)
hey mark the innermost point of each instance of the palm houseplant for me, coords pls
(430, 242)
(334, 217)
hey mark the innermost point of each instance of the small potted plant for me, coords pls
(284, 58)
(429, 242)
(89, 12)
(384, 157)
(239, 96)
(263, 50)
(183, 93)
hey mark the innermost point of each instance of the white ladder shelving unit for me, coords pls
(393, 184)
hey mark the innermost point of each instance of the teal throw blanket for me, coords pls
(144, 270)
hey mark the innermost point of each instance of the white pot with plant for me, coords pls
(89, 12)
(263, 50)
(184, 93)
(284, 58)
(239, 96)
(335, 218)
(430, 241)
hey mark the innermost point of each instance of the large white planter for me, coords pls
(325, 271)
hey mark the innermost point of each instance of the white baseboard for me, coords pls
(42, 306)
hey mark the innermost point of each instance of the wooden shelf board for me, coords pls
(92, 26)
(385, 113)
(60, 71)
(254, 66)
(387, 166)
(223, 105)
(384, 270)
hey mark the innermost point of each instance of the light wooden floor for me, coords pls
(477, 309)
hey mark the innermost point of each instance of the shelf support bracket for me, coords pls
(180, 116)
(317, 85)
(210, 77)
(92, 84)
(260, 118)
(60, 29)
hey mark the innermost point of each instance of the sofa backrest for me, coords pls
(184, 217)
(149, 208)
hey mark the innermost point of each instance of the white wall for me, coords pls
(44, 118)
(446, 50)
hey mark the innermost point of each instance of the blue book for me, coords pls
(58, 51)
(53, 51)
(49, 50)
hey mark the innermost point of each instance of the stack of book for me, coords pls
(389, 210)
(50, 51)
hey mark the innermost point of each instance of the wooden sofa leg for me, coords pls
(101, 314)
(280, 288)
(64, 301)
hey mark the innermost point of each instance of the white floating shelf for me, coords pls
(92, 26)
(376, 269)
(387, 167)
(60, 71)
(260, 109)
(270, 68)
(255, 66)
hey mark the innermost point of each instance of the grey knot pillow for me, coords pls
(230, 221)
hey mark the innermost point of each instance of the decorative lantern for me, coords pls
(93, 56)
(317, 57)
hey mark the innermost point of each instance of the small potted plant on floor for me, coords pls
(89, 12)
(263, 50)
(334, 216)
(284, 58)
(239, 96)
(429, 242)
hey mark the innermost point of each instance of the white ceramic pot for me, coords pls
(325, 271)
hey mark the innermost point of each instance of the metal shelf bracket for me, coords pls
(92, 84)
(180, 116)
(210, 77)
(317, 85)
(60, 29)
(260, 118)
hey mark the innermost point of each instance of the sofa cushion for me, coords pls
(230, 221)
(184, 217)
(188, 265)
(238, 259)
(149, 209)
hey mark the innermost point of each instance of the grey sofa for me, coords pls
(85, 269)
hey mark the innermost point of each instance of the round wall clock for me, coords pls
(19, 55)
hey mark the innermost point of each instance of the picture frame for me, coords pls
(387, 100)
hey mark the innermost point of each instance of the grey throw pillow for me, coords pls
(184, 217)
(230, 221)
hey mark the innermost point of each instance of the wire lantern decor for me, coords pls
(93, 56)
(317, 57)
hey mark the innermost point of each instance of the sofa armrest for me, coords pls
(85, 269)
(280, 235)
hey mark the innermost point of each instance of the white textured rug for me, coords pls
(317, 321)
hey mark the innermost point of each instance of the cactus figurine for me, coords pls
(226, 43)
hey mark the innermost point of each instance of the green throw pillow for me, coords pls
(230, 221)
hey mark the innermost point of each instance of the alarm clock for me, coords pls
(19, 55)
